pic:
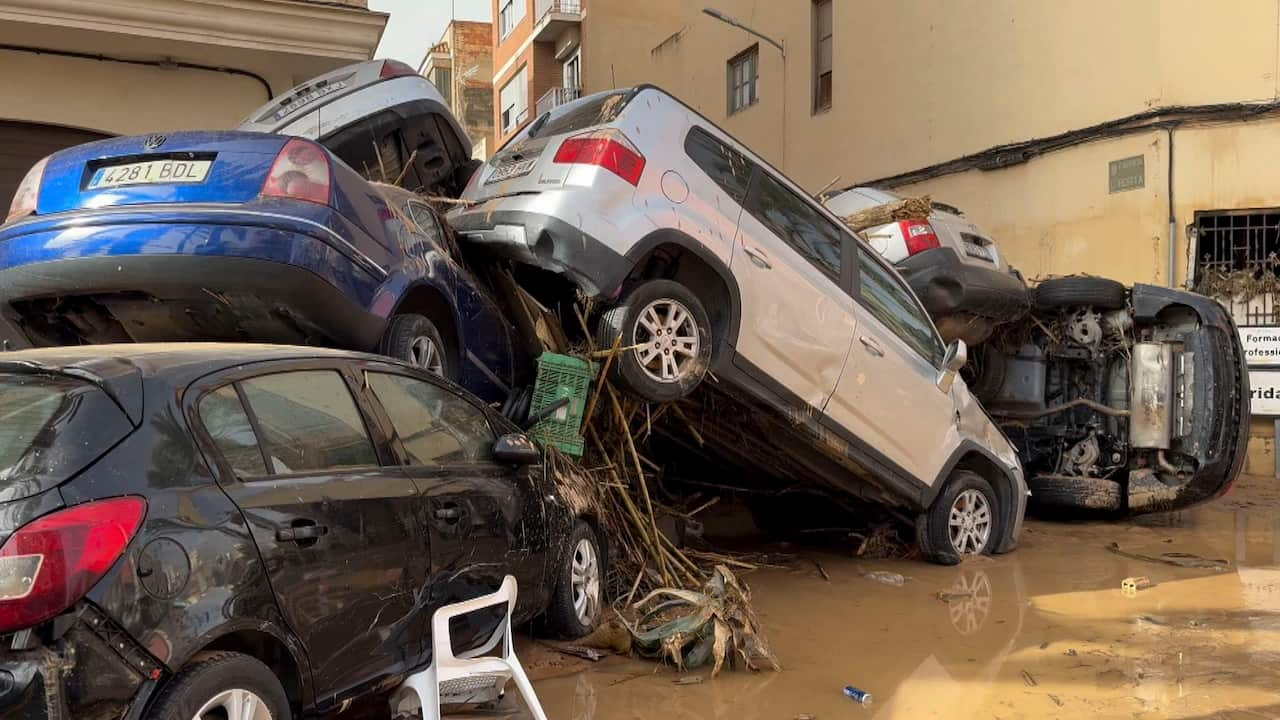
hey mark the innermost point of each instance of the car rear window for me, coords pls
(52, 427)
(595, 110)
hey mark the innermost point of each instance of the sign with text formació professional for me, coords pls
(1261, 345)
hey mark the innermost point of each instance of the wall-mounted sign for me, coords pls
(1127, 173)
(1261, 345)
(1264, 392)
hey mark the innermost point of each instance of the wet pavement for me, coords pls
(1043, 632)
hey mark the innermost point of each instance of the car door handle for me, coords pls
(873, 347)
(300, 533)
(759, 258)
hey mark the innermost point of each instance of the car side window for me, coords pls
(435, 426)
(426, 221)
(228, 425)
(798, 224)
(309, 422)
(727, 167)
(889, 300)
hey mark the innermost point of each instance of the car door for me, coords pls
(793, 265)
(336, 530)
(483, 518)
(889, 395)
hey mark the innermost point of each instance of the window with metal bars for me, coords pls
(1238, 261)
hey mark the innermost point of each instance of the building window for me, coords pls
(822, 55)
(514, 99)
(744, 71)
(1238, 262)
(510, 15)
(442, 79)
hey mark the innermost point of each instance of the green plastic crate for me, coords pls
(561, 376)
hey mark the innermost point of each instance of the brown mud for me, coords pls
(1042, 632)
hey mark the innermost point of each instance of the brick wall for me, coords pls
(472, 78)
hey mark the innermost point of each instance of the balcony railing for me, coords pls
(555, 97)
(541, 8)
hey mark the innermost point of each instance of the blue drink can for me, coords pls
(861, 697)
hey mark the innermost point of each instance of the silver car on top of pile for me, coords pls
(706, 260)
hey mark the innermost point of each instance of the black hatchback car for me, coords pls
(194, 530)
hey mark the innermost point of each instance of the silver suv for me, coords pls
(709, 261)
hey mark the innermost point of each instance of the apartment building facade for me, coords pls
(72, 71)
(537, 59)
(460, 65)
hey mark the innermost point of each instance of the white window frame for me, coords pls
(744, 79)
(510, 13)
(823, 57)
(519, 101)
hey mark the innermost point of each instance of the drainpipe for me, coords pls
(1173, 222)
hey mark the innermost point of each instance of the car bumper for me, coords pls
(947, 286)
(543, 241)
(183, 281)
(83, 674)
(1217, 439)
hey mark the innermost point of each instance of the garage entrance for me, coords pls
(22, 144)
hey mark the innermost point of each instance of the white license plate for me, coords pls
(151, 171)
(977, 251)
(510, 170)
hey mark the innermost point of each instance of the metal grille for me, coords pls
(1244, 245)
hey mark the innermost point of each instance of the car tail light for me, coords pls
(301, 172)
(53, 561)
(919, 235)
(394, 69)
(24, 200)
(607, 148)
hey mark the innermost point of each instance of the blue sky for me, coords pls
(417, 24)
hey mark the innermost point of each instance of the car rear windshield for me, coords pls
(600, 109)
(51, 427)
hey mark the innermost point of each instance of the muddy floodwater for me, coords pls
(1043, 632)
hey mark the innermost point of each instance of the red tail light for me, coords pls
(53, 561)
(395, 68)
(24, 200)
(301, 172)
(607, 148)
(919, 236)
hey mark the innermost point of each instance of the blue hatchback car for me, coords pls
(241, 236)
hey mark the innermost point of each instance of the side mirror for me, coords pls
(516, 449)
(957, 355)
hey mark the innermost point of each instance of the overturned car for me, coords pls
(1119, 399)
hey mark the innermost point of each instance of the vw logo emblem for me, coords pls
(153, 141)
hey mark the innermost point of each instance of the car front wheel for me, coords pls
(415, 340)
(222, 686)
(666, 340)
(963, 520)
(577, 603)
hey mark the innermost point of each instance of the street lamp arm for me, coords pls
(728, 20)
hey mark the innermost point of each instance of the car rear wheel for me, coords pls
(222, 686)
(415, 340)
(577, 603)
(963, 520)
(667, 340)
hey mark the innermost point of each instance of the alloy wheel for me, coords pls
(424, 353)
(584, 579)
(234, 704)
(970, 522)
(666, 341)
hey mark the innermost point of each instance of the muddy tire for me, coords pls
(673, 333)
(213, 683)
(1074, 493)
(416, 340)
(968, 499)
(985, 373)
(1100, 293)
(577, 603)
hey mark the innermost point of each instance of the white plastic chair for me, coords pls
(467, 678)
